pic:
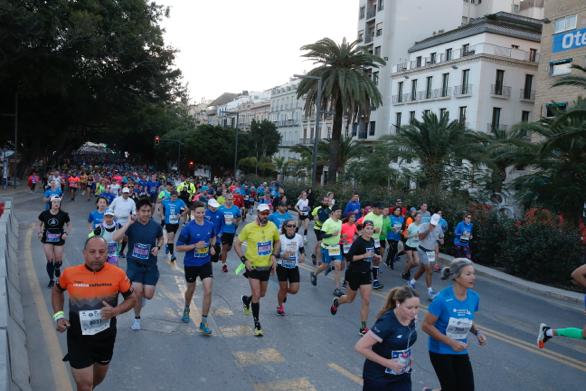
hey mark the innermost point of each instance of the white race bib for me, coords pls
(346, 247)
(465, 237)
(430, 256)
(52, 238)
(92, 323)
(333, 251)
(404, 358)
(458, 328)
(173, 219)
(376, 243)
(228, 218)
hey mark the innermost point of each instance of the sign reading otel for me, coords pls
(569, 40)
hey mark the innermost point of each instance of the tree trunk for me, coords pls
(334, 163)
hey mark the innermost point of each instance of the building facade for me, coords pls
(563, 43)
(482, 74)
(389, 28)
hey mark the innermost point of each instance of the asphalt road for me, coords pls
(306, 350)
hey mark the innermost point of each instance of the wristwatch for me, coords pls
(243, 259)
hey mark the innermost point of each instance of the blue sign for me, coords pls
(569, 40)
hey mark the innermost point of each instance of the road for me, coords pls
(306, 350)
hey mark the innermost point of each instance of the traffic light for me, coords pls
(157, 140)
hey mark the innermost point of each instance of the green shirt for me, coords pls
(329, 227)
(378, 223)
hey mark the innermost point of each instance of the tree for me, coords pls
(347, 88)
(263, 139)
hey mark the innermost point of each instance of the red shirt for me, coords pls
(238, 200)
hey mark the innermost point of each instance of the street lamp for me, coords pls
(317, 130)
(237, 113)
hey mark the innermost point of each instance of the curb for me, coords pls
(529, 286)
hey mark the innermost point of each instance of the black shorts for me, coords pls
(319, 234)
(303, 217)
(218, 249)
(171, 228)
(261, 275)
(286, 274)
(409, 248)
(356, 278)
(85, 350)
(59, 243)
(227, 238)
(203, 272)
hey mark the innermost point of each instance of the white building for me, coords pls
(481, 73)
(389, 28)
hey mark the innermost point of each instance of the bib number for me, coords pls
(465, 237)
(458, 328)
(404, 358)
(228, 218)
(376, 243)
(52, 238)
(264, 248)
(141, 251)
(173, 219)
(430, 256)
(346, 248)
(201, 252)
(92, 323)
(112, 248)
(334, 251)
(397, 227)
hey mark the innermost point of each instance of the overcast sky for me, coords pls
(236, 45)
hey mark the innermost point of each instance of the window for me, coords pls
(375, 78)
(426, 112)
(443, 111)
(371, 129)
(379, 29)
(398, 120)
(528, 87)
(411, 116)
(432, 58)
(418, 61)
(465, 49)
(449, 54)
(354, 130)
(533, 55)
(498, 83)
(360, 36)
(552, 109)
(564, 24)
(445, 84)
(560, 67)
(381, 5)
(465, 79)
(462, 114)
(496, 118)
(377, 51)
(400, 92)
(525, 116)
(428, 87)
(362, 12)
(414, 89)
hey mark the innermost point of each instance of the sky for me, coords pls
(254, 45)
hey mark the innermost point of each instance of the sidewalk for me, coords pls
(533, 287)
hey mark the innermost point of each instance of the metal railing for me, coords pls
(463, 90)
(500, 91)
(371, 12)
(528, 96)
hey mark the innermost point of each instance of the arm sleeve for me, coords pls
(183, 237)
(159, 231)
(435, 308)
(66, 218)
(124, 286)
(382, 329)
(63, 281)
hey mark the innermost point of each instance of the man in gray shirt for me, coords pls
(429, 235)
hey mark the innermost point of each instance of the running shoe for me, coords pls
(334, 307)
(363, 330)
(135, 324)
(225, 268)
(173, 258)
(281, 310)
(313, 278)
(258, 331)
(411, 284)
(377, 285)
(329, 270)
(313, 259)
(338, 292)
(406, 276)
(542, 338)
(51, 284)
(185, 317)
(204, 329)
(245, 305)
(431, 294)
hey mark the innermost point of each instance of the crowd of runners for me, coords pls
(142, 217)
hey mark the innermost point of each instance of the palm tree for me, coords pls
(573, 80)
(280, 164)
(435, 143)
(349, 149)
(347, 87)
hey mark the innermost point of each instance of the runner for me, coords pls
(347, 237)
(462, 237)
(331, 253)
(302, 209)
(262, 241)
(425, 215)
(411, 245)
(96, 216)
(320, 214)
(358, 274)
(54, 228)
(279, 216)
(387, 346)
(216, 217)
(93, 289)
(292, 254)
(91, 185)
(123, 207)
(106, 230)
(145, 238)
(450, 318)
(52, 191)
(376, 216)
(73, 182)
(429, 235)
(231, 219)
(394, 235)
(83, 179)
(197, 240)
(171, 212)
(546, 332)
(353, 207)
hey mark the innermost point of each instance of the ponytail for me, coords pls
(397, 295)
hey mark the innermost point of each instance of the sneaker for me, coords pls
(225, 268)
(135, 324)
(338, 292)
(411, 284)
(377, 285)
(51, 284)
(406, 276)
(258, 331)
(431, 294)
(542, 338)
(185, 317)
(204, 329)
(173, 258)
(313, 259)
(363, 330)
(313, 278)
(334, 307)
(329, 270)
(281, 310)
(246, 306)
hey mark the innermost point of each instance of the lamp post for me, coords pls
(316, 135)
(237, 113)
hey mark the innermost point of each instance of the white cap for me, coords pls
(435, 219)
(109, 212)
(126, 190)
(263, 207)
(213, 203)
(55, 198)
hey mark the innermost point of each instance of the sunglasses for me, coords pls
(290, 226)
(264, 213)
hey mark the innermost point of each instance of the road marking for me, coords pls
(60, 373)
(569, 361)
(195, 315)
(301, 384)
(223, 311)
(262, 356)
(235, 331)
(346, 373)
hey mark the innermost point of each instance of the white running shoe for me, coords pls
(135, 324)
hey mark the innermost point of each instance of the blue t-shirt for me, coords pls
(50, 193)
(279, 218)
(396, 227)
(230, 214)
(462, 234)
(454, 318)
(216, 218)
(193, 233)
(95, 218)
(396, 343)
(173, 210)
(141, 240)
(352, 207)
(153, 186)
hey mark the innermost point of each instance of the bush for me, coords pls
(490, 232)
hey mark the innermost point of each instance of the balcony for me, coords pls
(500, 91)
(400, 99)
(527, 95)
(371, 12)
(490, 126)
(306, 141)
(463, 90)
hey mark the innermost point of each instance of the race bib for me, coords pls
(370, 254)
(458, 328)
(141, 251)
(397, 227)
(92, 323)
(290, 261)
(430, 256)
(174, 219)
(201, 252)
(376, 243)
(334, 251)
(346, 247)
(465, 237)
(404, 358)
(52, 238)
(112, 248)
(305, 210)
(264, 248)
(228, 218)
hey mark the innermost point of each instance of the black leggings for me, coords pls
(393, 247)
(454, 371)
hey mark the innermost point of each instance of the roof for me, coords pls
(501, 23)
(224, 98)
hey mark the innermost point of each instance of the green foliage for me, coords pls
(263, 139)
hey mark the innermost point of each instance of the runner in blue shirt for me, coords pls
(216, 217)
(231, 219)
(52, 191)
(197, 240)
(281, 215)
(172, 210)
(96, 216)
(462, 237)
